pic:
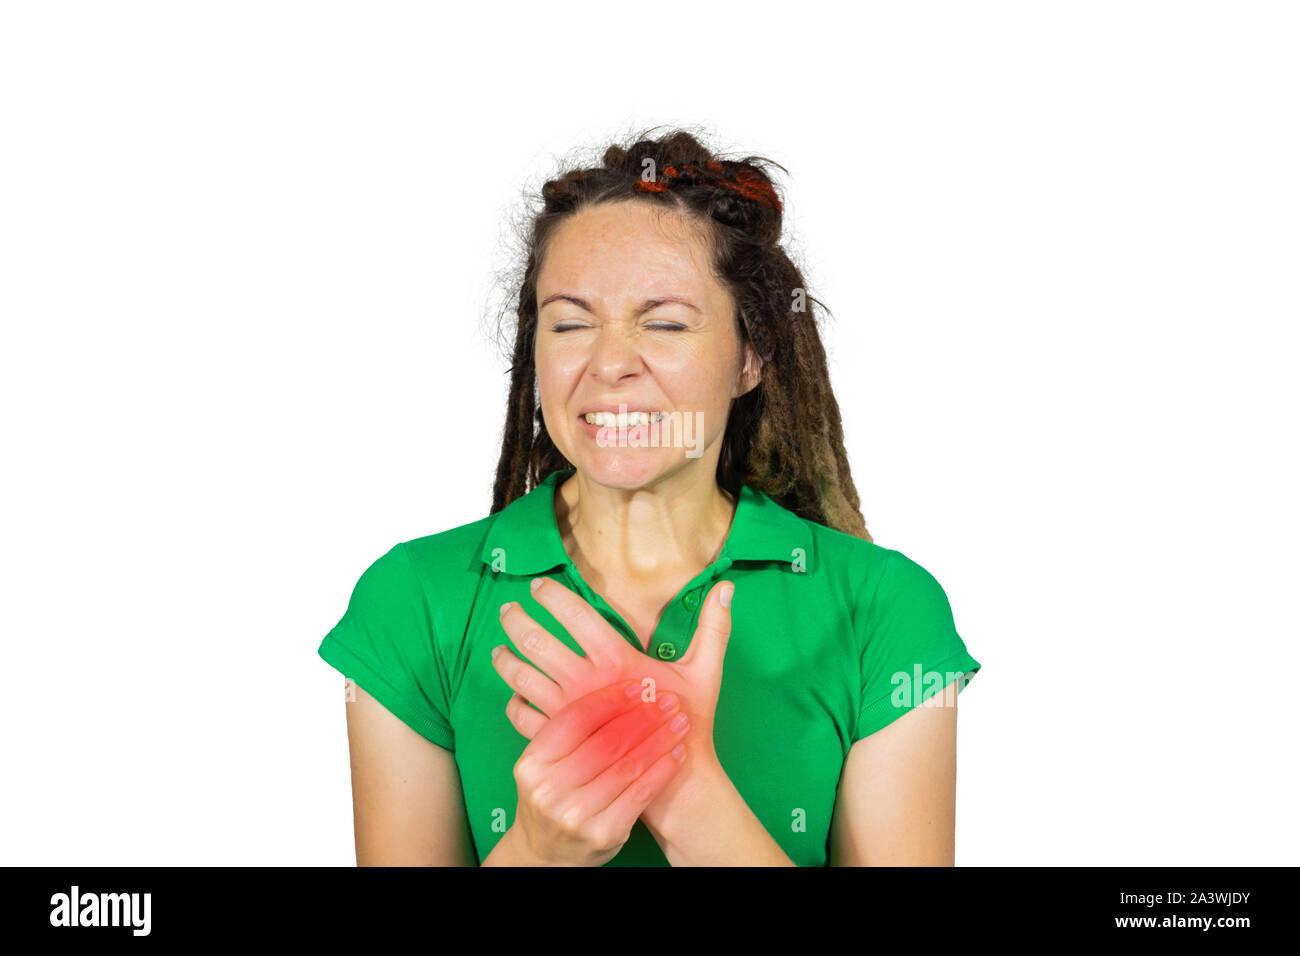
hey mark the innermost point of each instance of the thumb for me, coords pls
(709, 645)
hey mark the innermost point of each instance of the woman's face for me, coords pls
(629, 313)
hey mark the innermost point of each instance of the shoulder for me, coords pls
(846, 550)
(906, 591)
(873, 574)
(424, 583)
(447, 554)
(852, 565)
(428, 567)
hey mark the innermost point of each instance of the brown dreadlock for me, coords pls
(784, 436)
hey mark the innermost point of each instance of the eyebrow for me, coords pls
(646, 306)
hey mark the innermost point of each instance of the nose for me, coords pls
(615, 354)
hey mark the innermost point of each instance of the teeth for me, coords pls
(620, 421)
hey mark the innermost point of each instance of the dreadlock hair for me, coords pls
(784, 436)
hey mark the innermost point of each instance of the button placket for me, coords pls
(679, 632)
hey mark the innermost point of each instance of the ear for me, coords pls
(751, 373)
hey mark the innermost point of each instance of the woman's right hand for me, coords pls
(584, 778)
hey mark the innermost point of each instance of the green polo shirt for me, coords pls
(833, 637)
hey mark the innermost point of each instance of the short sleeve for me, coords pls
(386, 643)
(909, 644)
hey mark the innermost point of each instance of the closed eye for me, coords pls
(658, 326)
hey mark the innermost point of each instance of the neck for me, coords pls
(647, 533)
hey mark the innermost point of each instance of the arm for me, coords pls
(407, 805)
(897, 799)
(713, 826)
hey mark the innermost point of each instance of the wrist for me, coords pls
(714, 826)
(703, 789)
(512, 850)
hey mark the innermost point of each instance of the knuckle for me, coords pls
(642, 791)
(603, 838)
(532, 640)
(629, 768)
(571, 819)
(517, 713)
(542, 795)
(524, 773)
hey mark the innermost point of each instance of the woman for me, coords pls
(672, 641)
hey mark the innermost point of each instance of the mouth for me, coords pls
(620, 421)
(632, 429)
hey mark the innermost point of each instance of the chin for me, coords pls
(625, 468)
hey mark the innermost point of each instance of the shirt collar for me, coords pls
(524, 539)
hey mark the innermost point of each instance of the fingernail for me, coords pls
(725, 597)
(505, 607)
(679, 751)
(633, 689)
(536, 583)
(667, 702)
(496, 650)
(678, 723)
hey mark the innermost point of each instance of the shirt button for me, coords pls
(691, 600)
(667, 651)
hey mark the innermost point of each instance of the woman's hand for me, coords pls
(589, 773)
(695, 679)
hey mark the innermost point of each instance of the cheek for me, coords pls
(695, 378)
(556, 373)
(557, 376)
(561, 354)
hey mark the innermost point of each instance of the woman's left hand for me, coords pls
(695, 679)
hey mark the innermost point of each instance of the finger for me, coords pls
(527, 680)
(594, 634)
(573, 724)
(712, 635)
(620, 815)
(538, 645)
(610, 743)
(525, 719)
(623, 773)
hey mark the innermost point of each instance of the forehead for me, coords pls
(626, 249)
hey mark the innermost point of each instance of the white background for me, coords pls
(246, 275)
